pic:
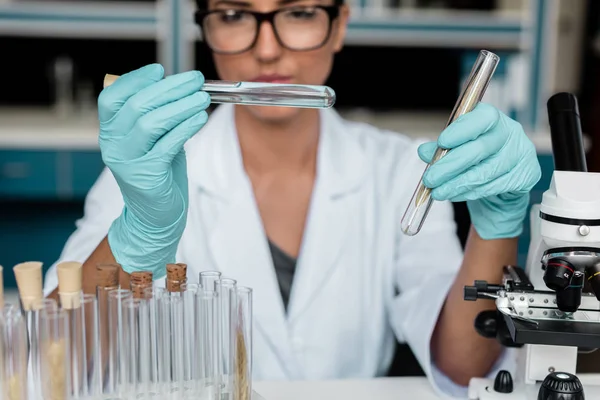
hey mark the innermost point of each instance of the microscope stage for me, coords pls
(555, 332)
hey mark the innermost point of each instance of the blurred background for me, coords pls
(401, 69)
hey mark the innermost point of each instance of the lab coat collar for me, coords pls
(216, 164)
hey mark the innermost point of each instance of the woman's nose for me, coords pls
(267, 46)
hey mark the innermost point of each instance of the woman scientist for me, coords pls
(305, 207)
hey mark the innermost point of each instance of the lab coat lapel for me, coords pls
(236, 238)
(340, 172)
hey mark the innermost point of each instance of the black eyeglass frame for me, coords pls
(332, 11)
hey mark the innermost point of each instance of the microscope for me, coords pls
(550, 311)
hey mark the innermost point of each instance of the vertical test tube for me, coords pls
(242, 381)
(55, 355)
(190, 335)
(176, 278)
(39, 307)
(226, 294)
(29, 281)
(132, 309)
(116, 356)
(208, 280)
(153, 296)
(91, 384)
(70, 294)
(206, 326)
(14, 354)
(107, 279)
(138, 332)
(472, 93)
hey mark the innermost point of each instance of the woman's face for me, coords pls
(268, 60)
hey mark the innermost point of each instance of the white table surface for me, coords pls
(372, 389)
(416, 388)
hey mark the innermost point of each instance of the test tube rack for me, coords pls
(186, 340)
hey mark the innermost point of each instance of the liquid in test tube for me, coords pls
(473, 90)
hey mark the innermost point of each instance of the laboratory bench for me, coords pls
(357, 389)
(48, 164)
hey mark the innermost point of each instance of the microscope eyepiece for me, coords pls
(558, 274)
(566, 133)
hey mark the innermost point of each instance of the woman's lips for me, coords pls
(272, 79)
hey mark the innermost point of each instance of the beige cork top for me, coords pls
(107, 275)
(139, 281)
(109, 79)
(69, 283)
(176, 276)
(29, 281)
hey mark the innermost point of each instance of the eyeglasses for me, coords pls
(299, 28)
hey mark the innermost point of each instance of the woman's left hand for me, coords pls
(492, 165)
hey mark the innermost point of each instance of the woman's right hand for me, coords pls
(145, 121)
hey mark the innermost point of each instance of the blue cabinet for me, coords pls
(41, 197)
(47, 174)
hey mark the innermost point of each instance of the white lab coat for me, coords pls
(359, 284)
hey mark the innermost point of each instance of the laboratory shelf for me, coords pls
(90, 19)
(446, 28)
(129, 20)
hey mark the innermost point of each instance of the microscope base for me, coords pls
(483, 389)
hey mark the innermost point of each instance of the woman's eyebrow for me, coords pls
(232, 3)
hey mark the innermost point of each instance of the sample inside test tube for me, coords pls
(263, 93)
(472, 92)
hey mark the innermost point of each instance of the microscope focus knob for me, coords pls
(561, 386)
(503, 382)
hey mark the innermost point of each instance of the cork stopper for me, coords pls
(107, 275)
(109, 79)
(69, 284)
(29, 282)
(176, 276)
(139, 281)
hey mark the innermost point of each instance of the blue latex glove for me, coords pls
(145, 121)
(492, 165)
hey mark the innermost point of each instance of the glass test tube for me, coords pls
(14, 355)
(190, 336)
(77, 342)
(153, 296)
(206, 325)
(39, 307)
(226, 294)
(270, 94)
(208, 279)
(133, 308)
(263, 94)
(117, 374)
(107, 277)
(55, 355)
(242, 381)
(91, 367)
(175, 307)
(473, 90)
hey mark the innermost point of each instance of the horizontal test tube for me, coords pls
(473, 90)
(262, 93)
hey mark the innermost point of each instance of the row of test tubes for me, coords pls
(183, 340)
